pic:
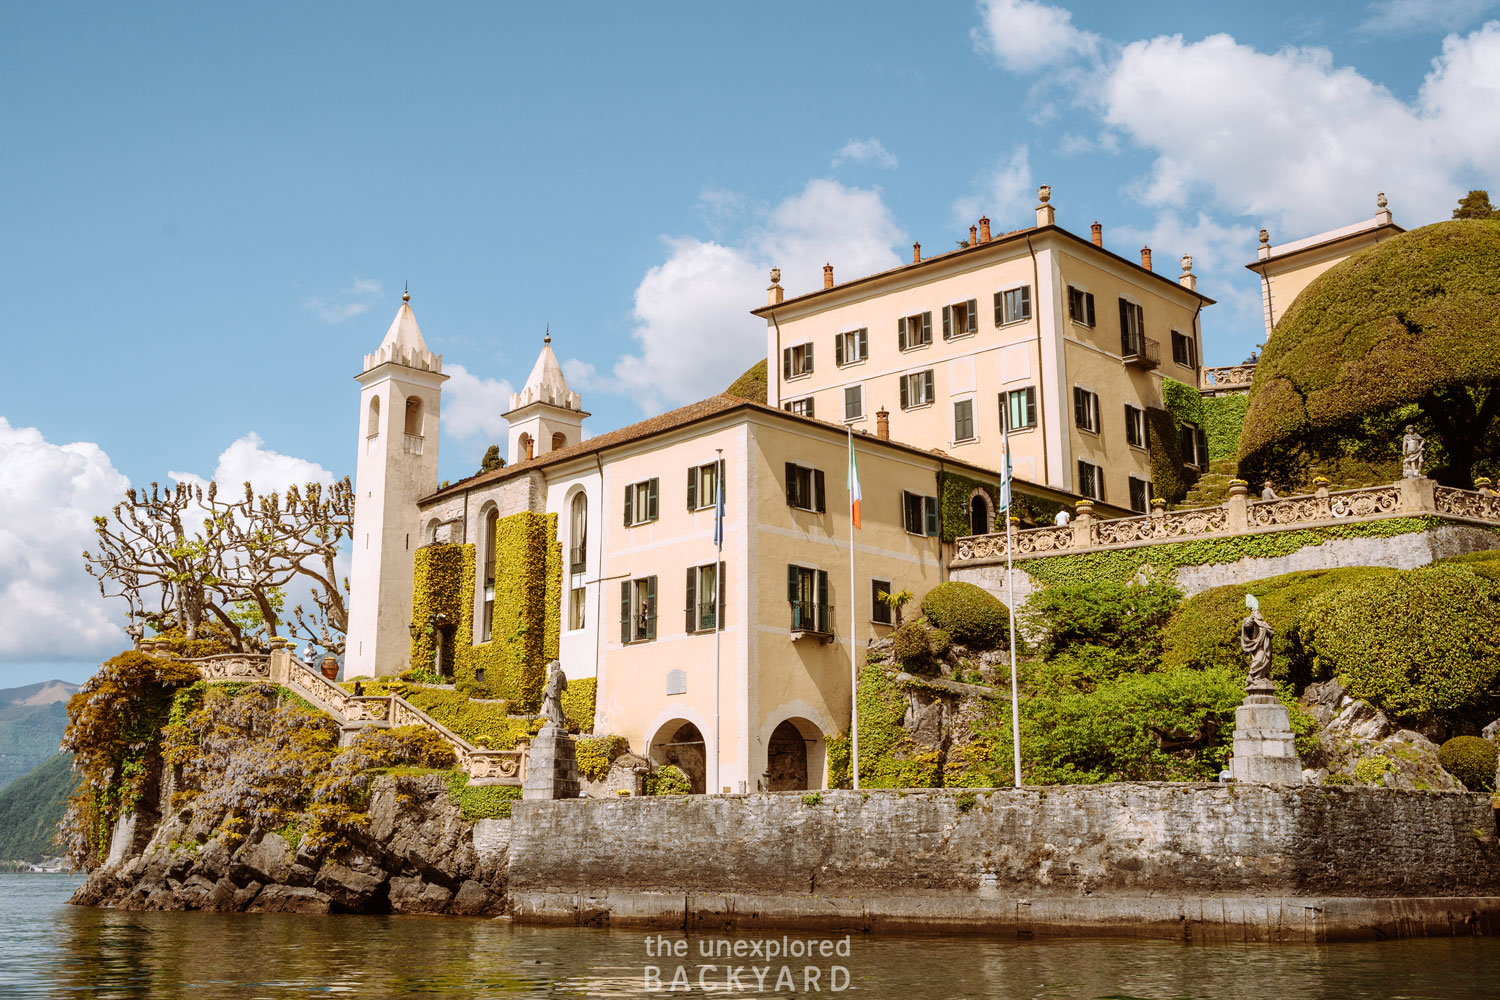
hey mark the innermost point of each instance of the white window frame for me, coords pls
(1005, 395)
(924, 323)
(1135, 415)
(1093, 409)
(1145, 507)
(1098, 494)
(973, 425)
(802, 352)
(1002, 295)
(1088, 297)
(704, 499)
(858, 388)
(859, 334)
(804, 402)
(950, 317)
(578, 608)
(921, 377)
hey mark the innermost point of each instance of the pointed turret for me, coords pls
(545, 415)
(403, 343)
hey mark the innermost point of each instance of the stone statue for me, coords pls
(1255, 639)
(1413, 453)
(1268, 493)
(557, 683)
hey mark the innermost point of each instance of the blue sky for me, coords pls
(210, 209)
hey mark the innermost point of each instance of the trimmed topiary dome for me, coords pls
(971, 615)
(1470, 759)
(752, 384)
(1405, 330)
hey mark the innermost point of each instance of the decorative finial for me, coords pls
(1187, 263)
(1265, 238)
(775, 275)
(547, 338)
(1380, 200)
(406, 291)
(1044, 193)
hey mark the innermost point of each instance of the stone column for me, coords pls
(1417, 495)
(551, 766)
(1265, 749)
(1238, 506)
(1083, 525)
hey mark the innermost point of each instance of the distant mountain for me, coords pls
(32, 806)
(32, 719)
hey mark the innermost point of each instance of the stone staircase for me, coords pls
(1212, 488)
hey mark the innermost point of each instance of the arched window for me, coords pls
(491, 519)
(414, 415)
(525, 446)
(372, 425)
(578, 527)
(559, 441)
(980, 522)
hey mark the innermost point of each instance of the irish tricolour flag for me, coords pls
(853, 483)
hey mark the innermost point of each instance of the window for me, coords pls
(1194, 445)
(1080, 306)
(807, 592)
(802, 407)
(854, 402)
(1018, 408)
(487, 618)
(414, 416)
(960, 319)
(578, 534)
(1135, 425)
(797, 361)
(1086, 409)
(1090, 480)
(1184, 350)
(917, 389)
(920, 513)
(851, 346)
(804, 488)
(576, 603)
(372, 426)
(914, 331)
(640, 502)
(701, 583)
(963, 420)
(638, 610)
(1013, 306)
(559, 441)
(880, 612)
(1132, 329)
(703, 485)
(1140, 495)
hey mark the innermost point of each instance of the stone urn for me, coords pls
(330, 668)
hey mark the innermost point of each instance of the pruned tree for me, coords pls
(1403, 332)
(1476, 205)
(491, 461)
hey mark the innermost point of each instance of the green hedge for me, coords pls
(1170, 479)
(1223, 419)
(442, 583)
(752, 385)
(578, 704)
(1470, 759)
(971, 615)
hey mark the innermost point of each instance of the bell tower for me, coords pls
(545, 415)
(400, 395)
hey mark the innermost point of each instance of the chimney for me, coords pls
(984, 229)
(775, 293)
(827, 275)
(1044, 213)
(1188, 279)
(883, 424)
(1096, 233)
(916, 253)
(973, 236)
(1146, 258)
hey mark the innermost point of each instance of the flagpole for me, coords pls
(853, 645)
(718, 609)
(1010, 603)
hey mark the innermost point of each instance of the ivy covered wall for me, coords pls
(953, 502)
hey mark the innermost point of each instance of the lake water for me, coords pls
(49, 949)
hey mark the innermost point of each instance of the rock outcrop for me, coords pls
(1359, 745)
(416, 854)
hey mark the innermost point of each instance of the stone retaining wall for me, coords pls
(1208, 861)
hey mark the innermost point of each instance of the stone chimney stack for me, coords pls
(775, 293)
(883, 424)
(1096, 233)
(916, 253)
(973, 236)
(827, 275)
(984, 229)
(1188, 279)
(1044, 214)
(1146, 258)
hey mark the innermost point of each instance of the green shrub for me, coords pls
(1486, 564)
(971, 615)
(1470, 759)
(812, 799)
(1338, 779)
(1371, 769)
(596, 753)
(1419, 643)
(1124, 617)
(752, 384)
(668, 780)
(939, 641)
(888, 757)
(421, 747)
(578, 704)
(910, 645)
(481, 801)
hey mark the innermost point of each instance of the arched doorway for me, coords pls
(980, 522)
(681, 743)
(786, 758)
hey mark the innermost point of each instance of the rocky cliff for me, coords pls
(416, 854)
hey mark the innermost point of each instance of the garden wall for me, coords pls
(1217, 862)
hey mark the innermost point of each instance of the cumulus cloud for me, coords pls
(871, 152)
(693, 332)
(346, 303)
(472, 406)
(1003, 192)
(49, 608)
(1024, 36)
(248, 460)
(1407, 17)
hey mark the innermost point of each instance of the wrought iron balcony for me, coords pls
(811, 618)
(1142, 352)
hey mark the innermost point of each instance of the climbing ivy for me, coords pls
(1223, 417)
(954, 503)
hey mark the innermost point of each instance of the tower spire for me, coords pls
(406, 291)
(547, 339)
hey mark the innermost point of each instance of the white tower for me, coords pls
(545, 415)
(400, 392)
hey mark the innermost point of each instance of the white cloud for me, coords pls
(49, 493)
(1406, 17)
(1024, 36)
(472, 406)
(346, 303)
(1003, 192)
(869, 151)
(694, 334)
(248, 460)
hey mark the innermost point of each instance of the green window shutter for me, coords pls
(947, 322)
(1088, 298)
(823, 601)
(807, 358)
(791, 583)
(927, 384)
(999, 308)
(791, 485)
(692, 599)
(629, 501)
(864, 342)
(624, 611)
(1025, 302)
(838, 348)
(818, 498)
(901, 333)
(973, 316)
(927, 328)
(651, 509)
(1030, 406)
(692, 490)
(786, 362)
(650, 607)
(931, 504)
(905, 400)
(719, 611)
(1079, 416)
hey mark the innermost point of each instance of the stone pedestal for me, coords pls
(551, 766)
(1265, 750)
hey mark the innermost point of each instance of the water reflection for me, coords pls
(51, 950)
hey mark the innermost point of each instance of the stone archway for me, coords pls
(786, 758)
(980, 520)
(681, 743)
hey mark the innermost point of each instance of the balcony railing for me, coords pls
(578, 558)
(412, 444)
(811, 617)
(1142, 352)
(701, 618)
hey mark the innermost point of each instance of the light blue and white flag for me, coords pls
(1005, 479)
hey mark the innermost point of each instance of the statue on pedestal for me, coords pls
(1255, 639)
(1413, 453)
(557, 683)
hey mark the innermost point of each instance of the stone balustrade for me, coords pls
(1226, 377)
(1238, 515)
